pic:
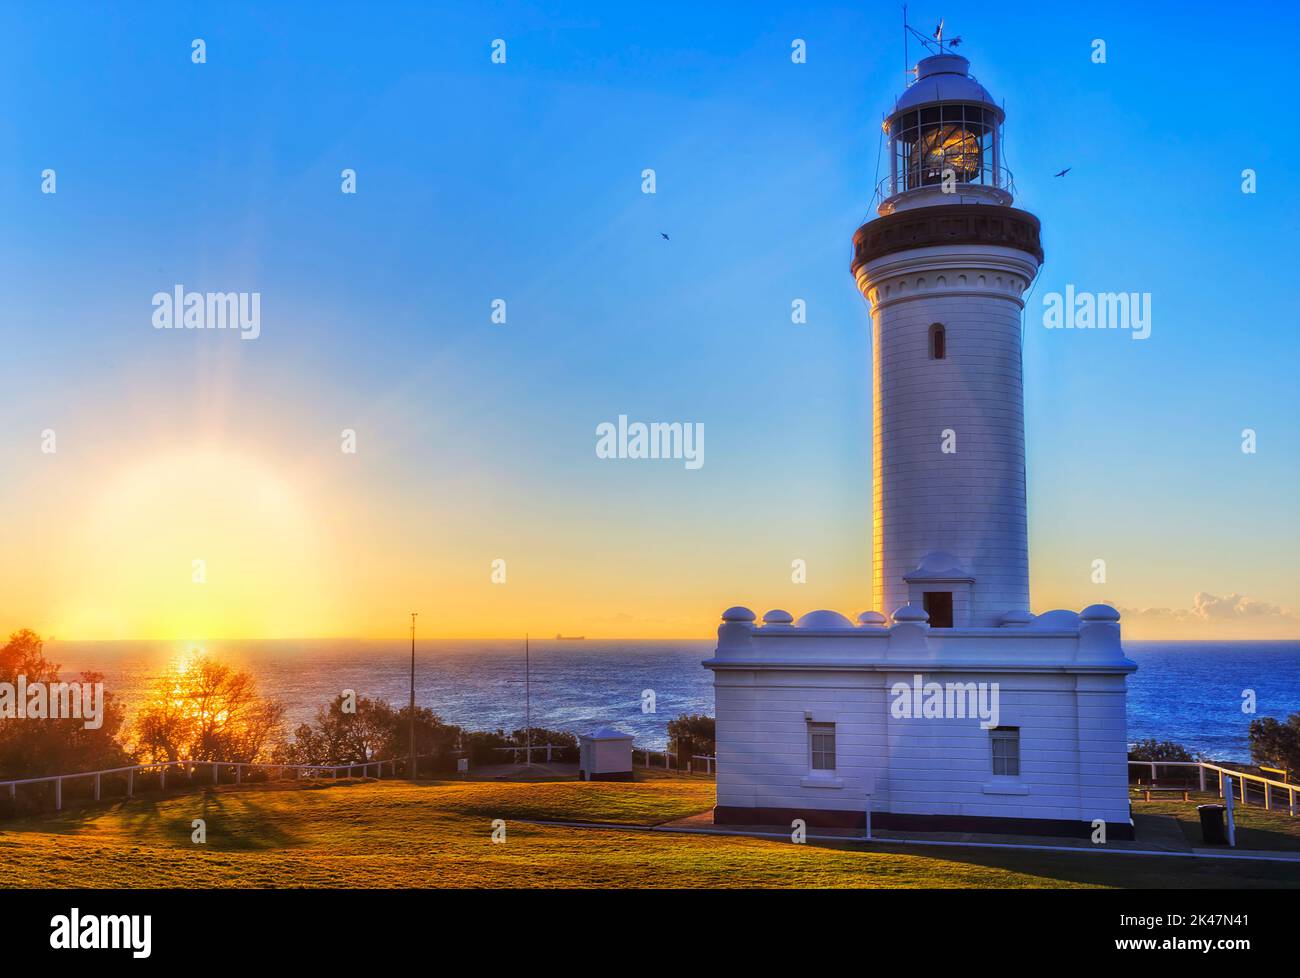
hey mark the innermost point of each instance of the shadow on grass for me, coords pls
(233, 819)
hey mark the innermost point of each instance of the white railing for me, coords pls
(651, 754)
(1241, 777)
(161, 767)
(536, 747)
(669, 758)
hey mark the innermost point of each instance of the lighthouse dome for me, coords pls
(945, 78)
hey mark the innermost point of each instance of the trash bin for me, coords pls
(1213, 832)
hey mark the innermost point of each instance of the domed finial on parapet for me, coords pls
(1017, 618)
(735, 634)
(823, 619)
(872, 619)
(910, 614)
(1099, 612)
(911, 631)
(1099, 633)
(778, 619)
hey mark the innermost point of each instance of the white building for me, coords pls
(962, 710)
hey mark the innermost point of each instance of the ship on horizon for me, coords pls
(570, 638)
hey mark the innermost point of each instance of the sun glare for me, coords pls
(197, 542)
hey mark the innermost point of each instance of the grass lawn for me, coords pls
(429, 834)
(1256, 828)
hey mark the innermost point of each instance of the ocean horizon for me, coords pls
(1187, 692)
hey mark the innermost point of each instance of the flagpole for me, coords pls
(411, 766)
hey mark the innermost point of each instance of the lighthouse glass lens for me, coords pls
(950, 146)
(932, 139)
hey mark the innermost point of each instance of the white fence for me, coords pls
(191, 767)
(669, 758)
(528, 751)
(1242, 778)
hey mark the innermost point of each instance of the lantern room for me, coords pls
(945, 141)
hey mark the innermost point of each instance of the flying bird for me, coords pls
(664, 236)
(1063, 172)
(954, 42)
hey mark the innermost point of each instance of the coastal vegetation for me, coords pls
(1276, 744)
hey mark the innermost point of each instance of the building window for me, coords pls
(821, 739)
(938, 342)
(1006, 751)
(938, 605)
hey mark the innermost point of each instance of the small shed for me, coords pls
(605, 754)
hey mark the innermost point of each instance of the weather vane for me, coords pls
(934, 43)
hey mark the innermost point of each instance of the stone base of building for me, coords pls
(605, 776)
(831, 818)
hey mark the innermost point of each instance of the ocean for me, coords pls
(1188, 692)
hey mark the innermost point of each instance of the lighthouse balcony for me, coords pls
(928, 188)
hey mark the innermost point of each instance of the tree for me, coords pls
(1159, 750)
(203, 710)
(1276, 744)
(433, 738)
(32, 747)
(339, 737)
(692, 734)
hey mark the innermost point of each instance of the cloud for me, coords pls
(1208, 607)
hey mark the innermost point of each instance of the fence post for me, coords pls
(1220, 774)
(13, 794)
(58, 794)
(162, 778)
(239, 773)
(1232, 822)
(130, 783)
(1201, 769)
(96, 787)
(1290, 794)
(216, 772)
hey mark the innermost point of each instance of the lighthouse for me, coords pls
(945, 267)
(948, 705)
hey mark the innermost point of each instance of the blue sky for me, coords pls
(522, 181)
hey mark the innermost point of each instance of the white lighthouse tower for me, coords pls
(948, 705)
(945, 266)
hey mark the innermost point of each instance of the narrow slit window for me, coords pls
(938, 342)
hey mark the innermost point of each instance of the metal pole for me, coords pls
(411, 772)
(528, 705)
(1232, 823)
